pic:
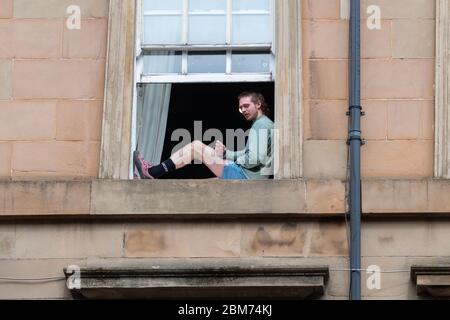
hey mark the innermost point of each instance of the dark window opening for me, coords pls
(216, 106)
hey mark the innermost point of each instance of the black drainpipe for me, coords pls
(355, 142)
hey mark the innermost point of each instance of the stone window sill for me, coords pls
(301, 198)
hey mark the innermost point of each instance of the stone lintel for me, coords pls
(432, 280)
(202, 278)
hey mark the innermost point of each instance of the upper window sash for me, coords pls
(234, 68)
(186, 20)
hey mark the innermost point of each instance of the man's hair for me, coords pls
(256, 98)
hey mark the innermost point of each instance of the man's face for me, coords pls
(249, 110)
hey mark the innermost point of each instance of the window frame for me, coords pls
(442, 87)
(185, 48)
(120, 90)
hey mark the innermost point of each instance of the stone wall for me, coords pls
(42, 249)
(397, 89)
(51, 93)
(53, 84)
(51, 97)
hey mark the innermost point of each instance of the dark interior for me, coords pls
(216, 105)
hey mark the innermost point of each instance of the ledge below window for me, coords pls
(432, 280)
(198, 199)
(268, 278)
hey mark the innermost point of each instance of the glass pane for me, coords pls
(163, 5)
(162, 62)
(162, 30)
(207, 29)
(251, 29)
(251, 5)
(250, 62)
(207, 62)
(206, 5)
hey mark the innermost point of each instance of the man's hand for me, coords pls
(220, 149)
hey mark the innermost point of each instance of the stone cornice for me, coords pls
(201, 278)
(432, 280)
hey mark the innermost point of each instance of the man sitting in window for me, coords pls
(254, 162)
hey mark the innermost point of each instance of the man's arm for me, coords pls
(233, 155)
(221, 151)
(257, 151)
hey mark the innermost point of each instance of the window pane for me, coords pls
(207, 62)
(163, 5)
(251, 29)
(251, 5)
(250, 62)
(206, 5)
(207, 29)
(162, 62)
(162, 30)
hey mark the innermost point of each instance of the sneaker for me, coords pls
(142, 165)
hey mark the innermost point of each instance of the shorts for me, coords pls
(232, 171)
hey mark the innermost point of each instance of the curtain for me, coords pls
(153, 109)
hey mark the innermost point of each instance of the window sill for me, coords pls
(302, 198)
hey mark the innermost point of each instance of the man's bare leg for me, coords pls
(201, 152)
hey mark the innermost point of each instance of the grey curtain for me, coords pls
(153, 109)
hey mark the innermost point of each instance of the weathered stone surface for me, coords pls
(405, 196)
(325, 159)
(413, 38)
(69, 240)
(395, 282)
(282, 198)
(177, 239)
(402, 9)
(5, 79)
(432, 280)
(329, 239)
(397, 79)
(58, 8)
(6, 8)
(27, 120)
(275, 239)
(44, 198)
(87, 42)
(5, 160)
(325, 196)
(419, 237)
(196, 197)
(294, 239)
(201, 278)
(7, 241)
(32, 268)
(63, 79)
(79, 120)
(321, 9)
(37, 38)
(391, 196)
(397, 159)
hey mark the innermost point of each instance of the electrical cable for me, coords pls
(46, 279)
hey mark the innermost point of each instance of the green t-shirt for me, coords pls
(256, 160)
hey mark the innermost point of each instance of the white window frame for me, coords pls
(186, 77)
(121, 78)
